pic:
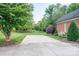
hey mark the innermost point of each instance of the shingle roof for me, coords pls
(69, 16)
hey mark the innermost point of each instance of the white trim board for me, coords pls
(68, 20)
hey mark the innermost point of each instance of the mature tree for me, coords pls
(52, 13)
(28, 26)
(43, 24)
(49, 12)
(12, 15)
(72, 7)
(37, 26)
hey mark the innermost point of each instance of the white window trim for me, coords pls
(65, 29)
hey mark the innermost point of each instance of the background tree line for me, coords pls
(53, 13)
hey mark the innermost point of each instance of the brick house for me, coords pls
(63, 23)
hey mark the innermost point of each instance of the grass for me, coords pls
(54, 36)
(2, 37)
(36, 33)
(16, 37)
(44, 33)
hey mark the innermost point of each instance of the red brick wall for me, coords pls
(60, 26)
(77, 21)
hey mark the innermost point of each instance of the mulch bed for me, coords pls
(10, 43)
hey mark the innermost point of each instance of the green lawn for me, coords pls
(44, 33)
(16, 37)
(36, 33)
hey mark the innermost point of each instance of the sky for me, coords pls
(39, 11)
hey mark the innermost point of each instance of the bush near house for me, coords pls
(50, 29)
(73, 33)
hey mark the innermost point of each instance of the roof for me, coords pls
(69, 16)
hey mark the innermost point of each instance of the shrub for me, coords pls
(50, 29)
(73, 33)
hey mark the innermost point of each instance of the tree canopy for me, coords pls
(72, 7)
(13, 15)
(52, 13)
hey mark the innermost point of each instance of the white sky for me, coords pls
(39, 11)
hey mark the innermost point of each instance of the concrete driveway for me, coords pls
(40, 45)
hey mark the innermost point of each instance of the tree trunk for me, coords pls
(8, 38)
(8, 41)
(7, 35)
